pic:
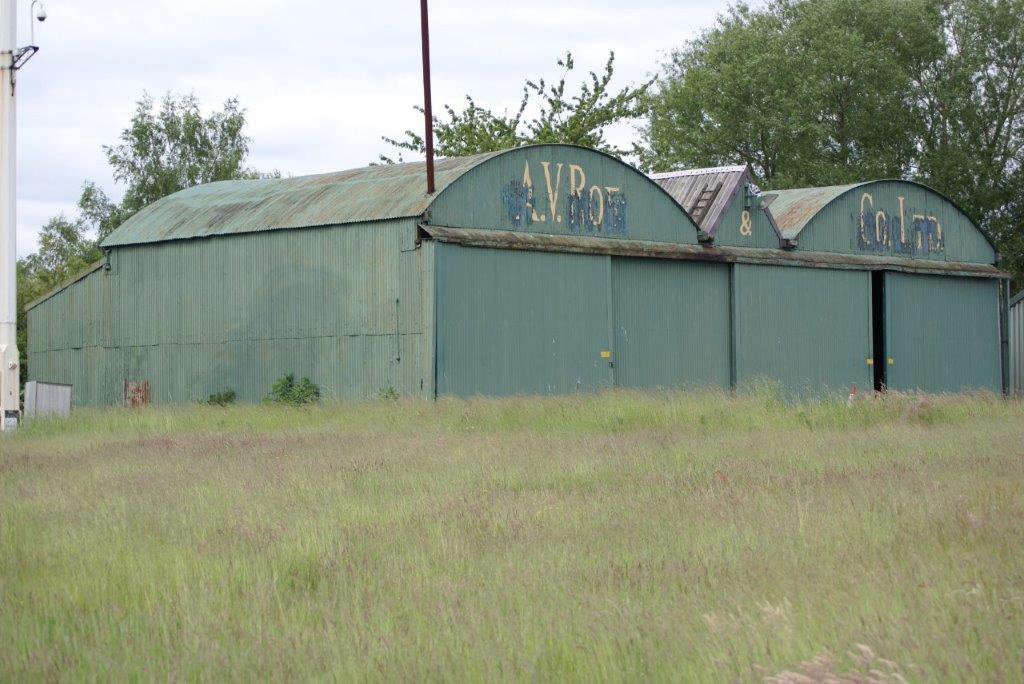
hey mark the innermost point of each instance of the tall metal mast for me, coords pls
(428, 111)
(12, 58)
(8, 229)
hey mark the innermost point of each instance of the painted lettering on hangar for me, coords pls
(565, 199)
(879, 231)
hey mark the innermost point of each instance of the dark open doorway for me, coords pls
(878, 329)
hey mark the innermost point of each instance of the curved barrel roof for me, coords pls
(244, 206)
(793, 209)
(888, 216)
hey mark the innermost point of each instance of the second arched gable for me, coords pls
(883, 218)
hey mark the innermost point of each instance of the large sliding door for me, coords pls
(941, 333)
(514, 322)
(807, 329)
(671, 321)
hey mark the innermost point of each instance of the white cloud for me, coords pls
(322, 80)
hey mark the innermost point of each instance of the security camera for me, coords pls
(40, 12)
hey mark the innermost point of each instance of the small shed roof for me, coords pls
(705, 194)
(243, 206)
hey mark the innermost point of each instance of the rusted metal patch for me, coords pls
(136, 394)
(792, 209)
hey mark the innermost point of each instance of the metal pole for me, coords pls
(9, 400)
(428, 112)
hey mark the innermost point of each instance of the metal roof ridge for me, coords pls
(736, 168)
(845, 186)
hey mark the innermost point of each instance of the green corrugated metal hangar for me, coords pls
(544, 269)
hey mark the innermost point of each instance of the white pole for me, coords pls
(9, 403)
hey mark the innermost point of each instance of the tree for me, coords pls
(972, 98)
(165, 148)
(726, 98)
(579, 119)
(806, 92)
(819, 92)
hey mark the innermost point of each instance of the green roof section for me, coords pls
(370, 193)
(793, 209)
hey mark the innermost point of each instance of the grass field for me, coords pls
(619, 536)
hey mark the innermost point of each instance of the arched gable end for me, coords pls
(562, 190)
(896, 218)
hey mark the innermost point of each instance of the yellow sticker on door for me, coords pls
(605, 354)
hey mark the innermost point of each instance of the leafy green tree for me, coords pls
(560, 117)
(806, 92)
(718, 100)
(818, 92)
(64, 249)
(167, 148)
(972, 101)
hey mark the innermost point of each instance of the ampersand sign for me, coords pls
(745, 227)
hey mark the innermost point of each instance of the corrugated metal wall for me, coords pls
(1017, 346)
(521, 322)
(512, 322)
(671, 321)
(72, 340)
(942, 333)
(200, 316)
(807, 329)
(194, 317)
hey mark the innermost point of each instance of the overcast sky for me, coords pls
(322, 80)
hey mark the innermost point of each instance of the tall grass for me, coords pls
(617, 536)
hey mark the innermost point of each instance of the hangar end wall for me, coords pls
(341, 305)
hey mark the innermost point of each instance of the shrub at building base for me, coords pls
(287, 391)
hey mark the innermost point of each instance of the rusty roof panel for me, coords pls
(244, 206)
(792, 209)
(705, 194)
